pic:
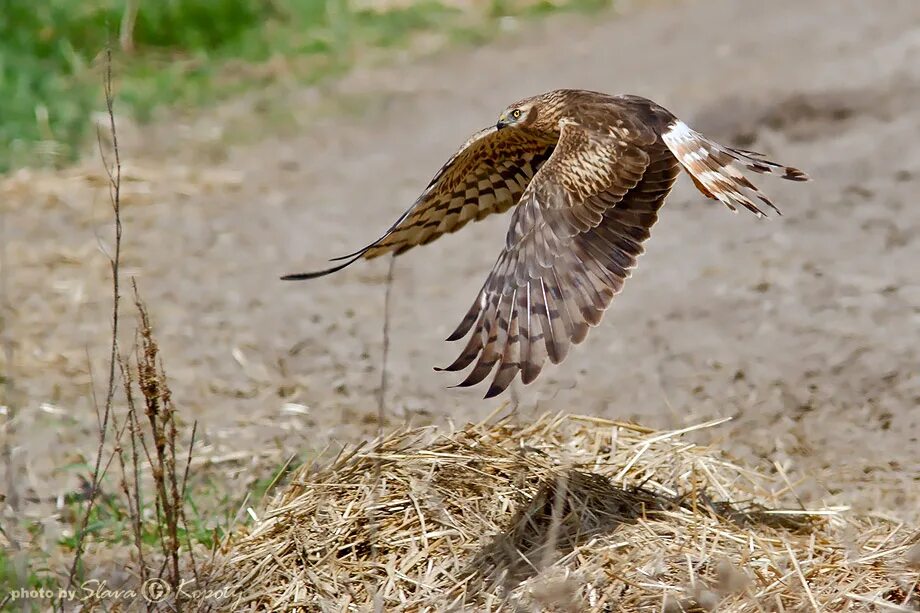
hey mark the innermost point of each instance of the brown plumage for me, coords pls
(589, 173)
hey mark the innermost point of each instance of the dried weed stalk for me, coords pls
(152, 432)
(169, 481)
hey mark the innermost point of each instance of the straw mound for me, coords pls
(567, 514)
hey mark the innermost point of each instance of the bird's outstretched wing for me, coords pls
(573, 240)
(486, 175)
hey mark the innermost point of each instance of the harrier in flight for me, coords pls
(588, 173)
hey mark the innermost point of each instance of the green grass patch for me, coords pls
(189, 53)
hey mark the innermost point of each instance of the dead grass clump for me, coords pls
(566, 514)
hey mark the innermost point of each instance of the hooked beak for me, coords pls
(502, 122)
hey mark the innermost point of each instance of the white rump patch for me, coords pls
(679, 132)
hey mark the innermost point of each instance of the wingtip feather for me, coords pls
(494, 390)
(302, 276)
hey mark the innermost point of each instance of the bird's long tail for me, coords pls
(710, 165)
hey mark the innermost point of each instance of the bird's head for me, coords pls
(538, 114)
(519, 114)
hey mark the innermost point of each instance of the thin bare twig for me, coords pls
(381, 397)
(115, 261)
(132, 494)
(181, 504)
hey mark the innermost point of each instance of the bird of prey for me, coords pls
(588, 173)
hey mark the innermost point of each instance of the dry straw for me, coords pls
(566, 514)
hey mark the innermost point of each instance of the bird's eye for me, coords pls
(516, 113)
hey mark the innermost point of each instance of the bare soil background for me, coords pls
(806, 328)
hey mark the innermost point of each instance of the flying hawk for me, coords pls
(589, 172)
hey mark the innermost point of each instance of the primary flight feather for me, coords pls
(588, 173)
